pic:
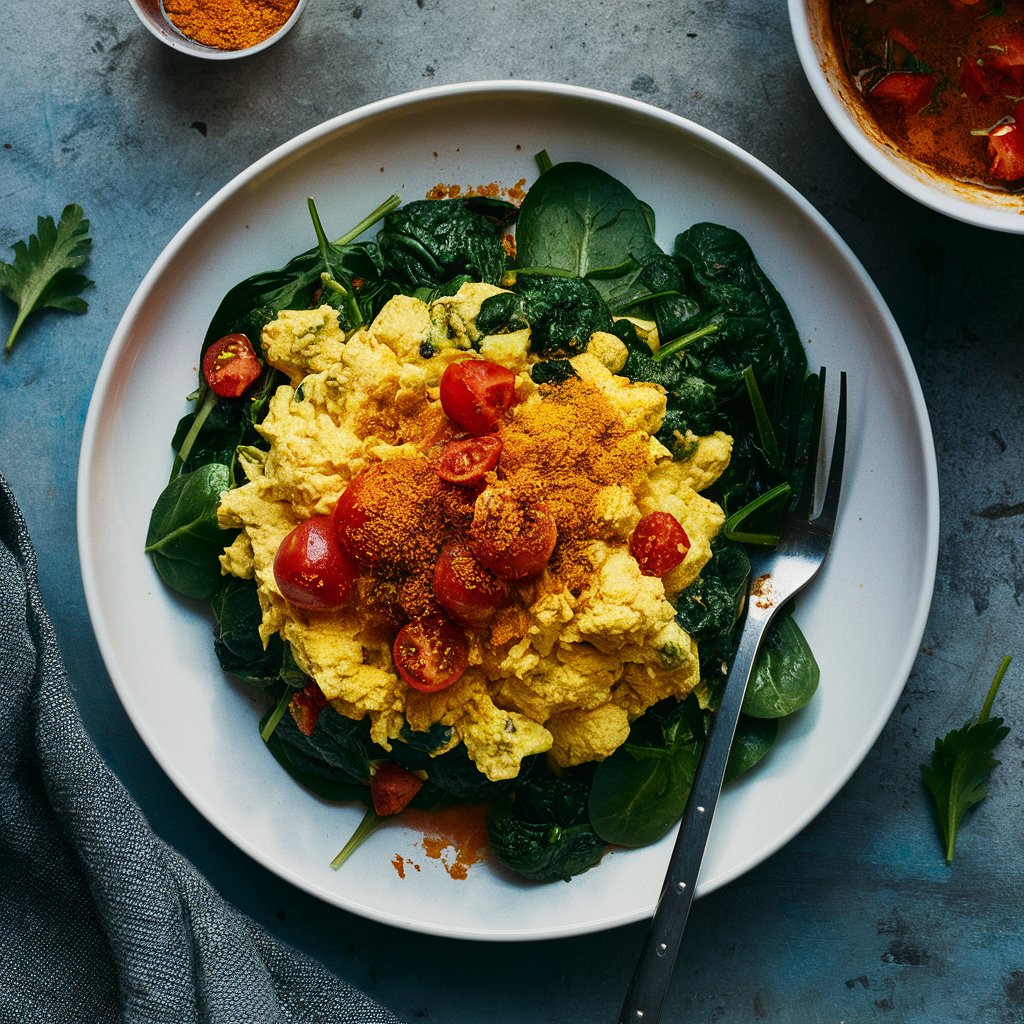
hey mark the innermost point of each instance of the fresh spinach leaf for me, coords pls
(753, 739)
(578, 218)
(785, 675)
(640, 792)
(746, 321)
(184, 538)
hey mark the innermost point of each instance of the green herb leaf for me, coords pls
(961, 765)
(42, 274)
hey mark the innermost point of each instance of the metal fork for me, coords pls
(775, 576)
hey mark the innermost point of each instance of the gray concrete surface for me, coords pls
(858, 918)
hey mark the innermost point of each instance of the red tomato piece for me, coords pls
(911, 90)
(464, 588)
(352, 515)
(230, 365)
(512, 535)
(974, 83)
(476, 394)
(392, 787)
(466, 462)
(659, 543)
(431, 653)
(1006, 151)
(311, 569)
(305, 707)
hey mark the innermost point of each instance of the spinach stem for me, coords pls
(678, 343)
(209, 400)
(370, 823)
(385, 208)
(764, 425)
(986, 709)
(543, 161)
(670, 293)
(737, 518)
(282, 706)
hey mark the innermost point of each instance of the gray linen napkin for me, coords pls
(100, 920)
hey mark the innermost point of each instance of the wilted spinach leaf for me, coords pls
(543, 839)
(552, 371)
(690, 400)
(237, 641)
(428, 242)
(184, 538)
(562, 312)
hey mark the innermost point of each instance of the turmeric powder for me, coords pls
(229, 24)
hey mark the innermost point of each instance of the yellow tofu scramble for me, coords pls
(584, 647)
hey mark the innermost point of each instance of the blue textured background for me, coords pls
(858, 918)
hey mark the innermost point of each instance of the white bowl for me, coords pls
(973, 204)
(151, 14)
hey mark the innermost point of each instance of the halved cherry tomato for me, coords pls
(659, 543)
(911, 90)
(1006, 150)
(392, 787)
(512, 535)
(311, 569)
(305, 707)
(466, 590)
(431, 653)
(230, 365)
(476, 394)
(466, 462)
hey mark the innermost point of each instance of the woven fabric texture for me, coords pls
(100, 920)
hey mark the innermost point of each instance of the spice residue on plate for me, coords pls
(494, 190)
(229, 24)
(456, 836)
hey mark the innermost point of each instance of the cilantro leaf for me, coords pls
(961, 765)
(43, 271)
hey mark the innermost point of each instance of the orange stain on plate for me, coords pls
(455, 836)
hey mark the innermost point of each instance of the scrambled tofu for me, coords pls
(583, 648)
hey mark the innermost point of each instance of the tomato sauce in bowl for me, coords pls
(942, 80)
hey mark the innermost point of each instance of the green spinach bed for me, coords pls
(730, 359)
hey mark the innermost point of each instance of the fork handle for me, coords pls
(653, 973)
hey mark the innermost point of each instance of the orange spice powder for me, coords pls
(561, 452)
(229, 24)
(572, 445)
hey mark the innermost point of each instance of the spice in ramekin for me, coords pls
(229, 24)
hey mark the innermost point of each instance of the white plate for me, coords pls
(864, 616)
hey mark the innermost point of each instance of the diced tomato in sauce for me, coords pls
(911, 90)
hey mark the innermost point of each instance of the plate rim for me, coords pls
(368, 111)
